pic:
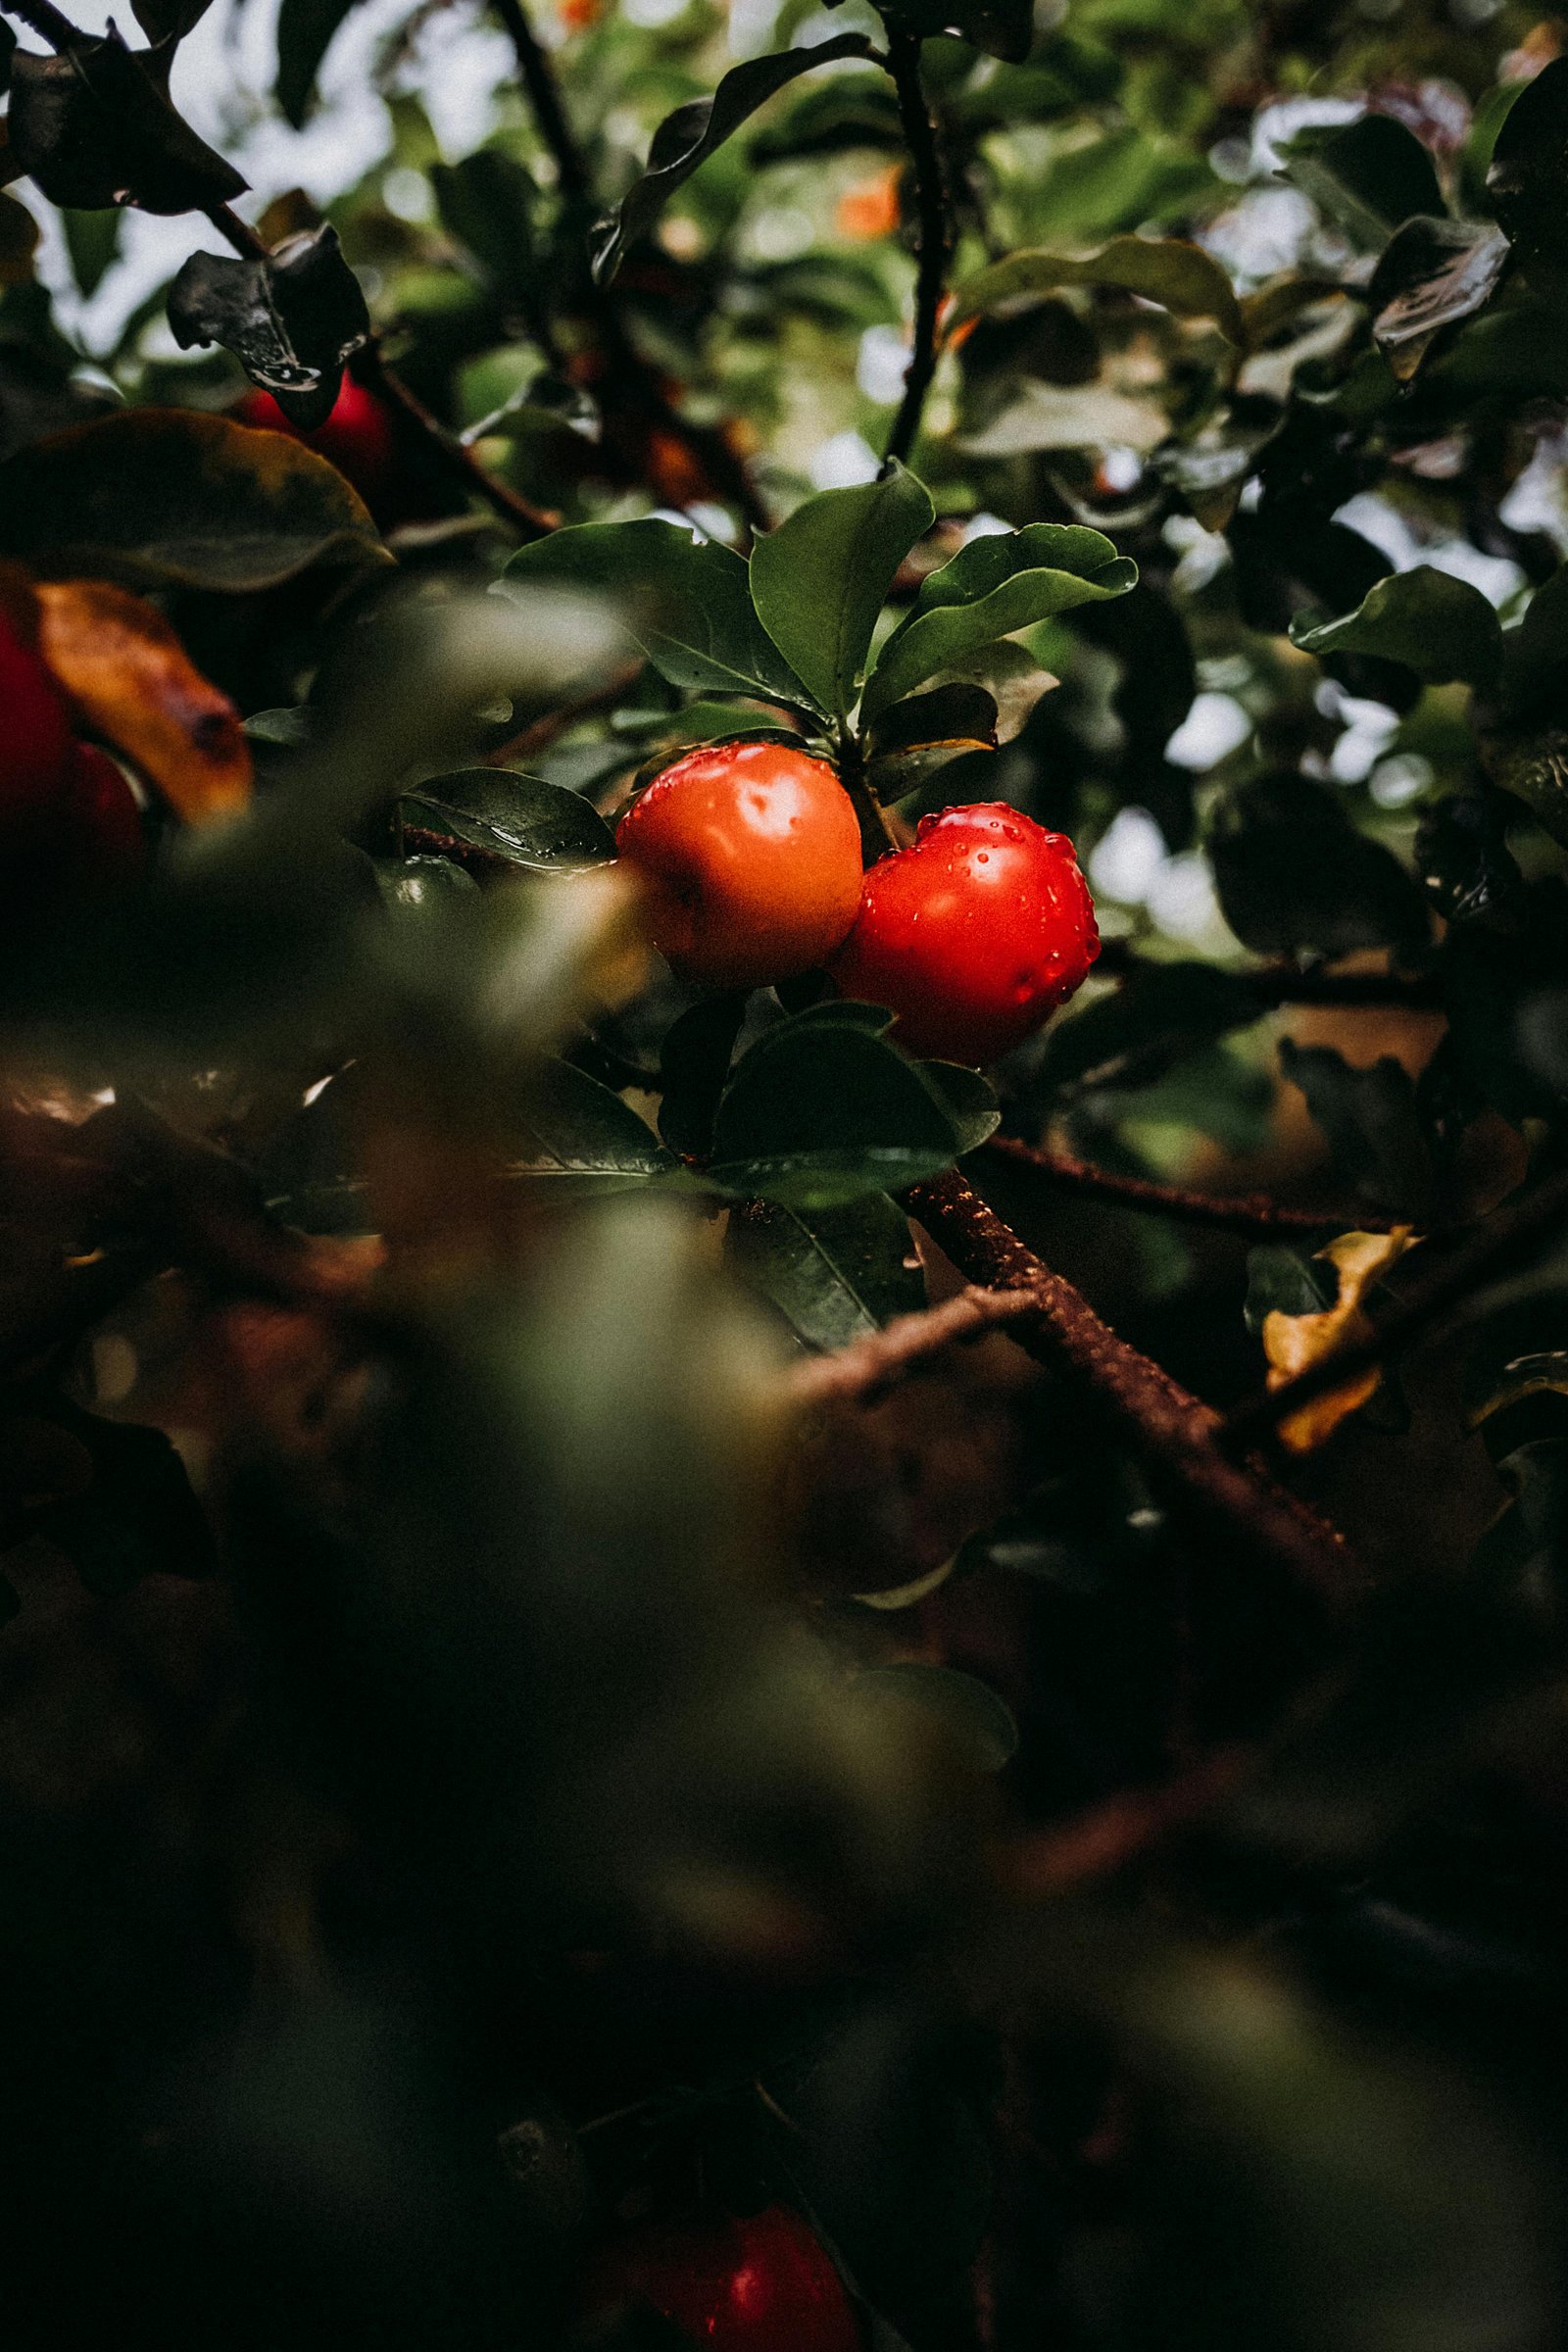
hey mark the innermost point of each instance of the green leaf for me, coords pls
(1294, 877)
(1369, 175)
(489, 202)
(1440, 627)
(978, 1722)
(685, 139)
(686, 602)
(575, 1131)
(917, 738)
(995, 585)
(836, 1273)
(855, 111)
(970, 1100)
(1181, 276)
(172, 498)
(1526, 179)
(92, 239)
(304, 29)
(694, 1067)
(824, 1109)
(1287, 1282)
(1161, 1013)
(820, 581)
(518, 818)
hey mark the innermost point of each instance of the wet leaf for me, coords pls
(577, 1133)
(130, 677)
(167, 497)
(515, 818)
(1432, 273)
(291, 320)
(837, 1273)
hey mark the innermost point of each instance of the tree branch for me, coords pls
(1170, 1427)
(1251, 1213)
(544, 96)
(864, 1370)
(1277, 984)
(935, 239)
(1521, 1219)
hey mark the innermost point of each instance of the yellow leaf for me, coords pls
(131, 680)
(1292, 1343)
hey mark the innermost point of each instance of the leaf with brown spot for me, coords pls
(1291, 1342)
(171, 497)
(130, 677)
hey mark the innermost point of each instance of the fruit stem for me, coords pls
(878, 833)
(934, 238)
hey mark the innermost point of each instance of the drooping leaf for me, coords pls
(515, 819)
(823, 1109)
(837, 1273)
(1434, 624)
(1182, 277)
(128, 674)
(573, 1131)
(93, 240)
(1373, 1124)
(685, 139)
(1432, 273)
(995, 585)
(291, 320)
(1294, 875)
(304, 29)
(171, 497)
(685, 600)
(1526, 179)
(820, 581)
(1369, 175)
(95, 128)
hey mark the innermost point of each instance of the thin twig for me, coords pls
(1521, 1219)
(544, 96)
(864, 1370)
(935, 238)
(1248, 1214)
(1171, 1426)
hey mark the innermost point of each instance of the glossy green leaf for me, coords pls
(820, 581)
(1180, 276)
(685, 600)
(575, 1132)
(970, 1100)
(1432, 273)
(1006, 581)
(685, 139)
(1434, 624)
(837, 1273)
(173, 498)
(518, 818)
(824, 1109)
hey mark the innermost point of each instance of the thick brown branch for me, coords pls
(1252, 1213)
(868, 1367)
(1170, 1427)
(1459, 1273)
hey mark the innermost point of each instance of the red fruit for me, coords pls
(749, 859)
(35, 739)
(759, 2285)
(103, 846)
(358, 438)
(973, 936)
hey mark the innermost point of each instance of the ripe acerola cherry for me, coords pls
(35, 738)
(749, 854)
(358, 438)
(759, 2285)
(973, 935)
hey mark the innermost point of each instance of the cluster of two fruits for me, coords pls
(749, 854)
